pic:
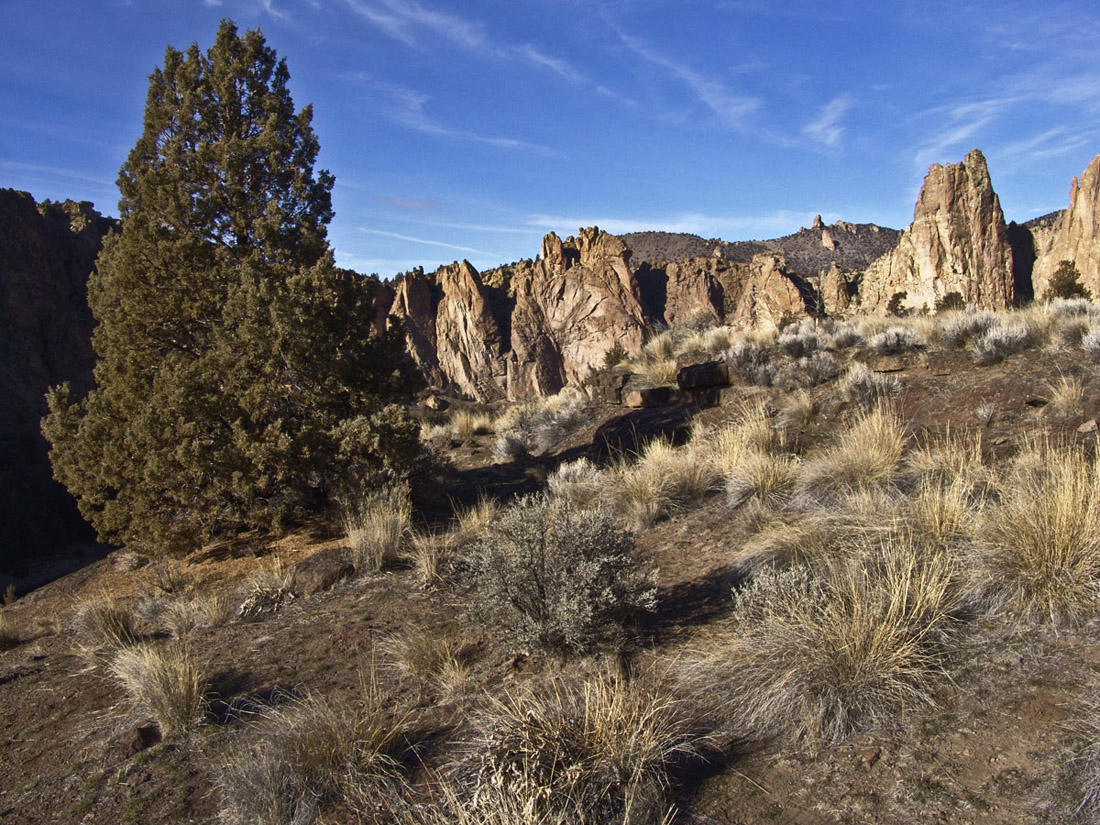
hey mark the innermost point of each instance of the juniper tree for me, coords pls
(236, 374)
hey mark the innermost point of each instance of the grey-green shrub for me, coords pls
(999, 342)
(896, 340)
(550, 576)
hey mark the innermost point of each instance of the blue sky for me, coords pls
(470, 129)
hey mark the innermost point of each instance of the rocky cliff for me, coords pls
(46, 253)
(1074, 235)
(958, 242)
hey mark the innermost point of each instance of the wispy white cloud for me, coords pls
(1050, 143)
(428, 242)
(404, 19)
(408, 107)
(410, 204)
(955, 127)
(409, 22)
(269, 7)
(732, 109)
(826, 128)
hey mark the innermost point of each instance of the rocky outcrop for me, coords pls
(762, 293)
(572, 306)
(957, 242)
(452, 332)
(46, 254)
(1074, 236)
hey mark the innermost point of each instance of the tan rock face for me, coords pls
(957, 243)
(571, 307)
(452, 333)
(760, 293)
(1075, 236)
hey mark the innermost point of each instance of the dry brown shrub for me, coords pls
(599, 751)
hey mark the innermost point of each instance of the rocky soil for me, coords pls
(995, 748)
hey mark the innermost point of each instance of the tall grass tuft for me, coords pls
(164, 682)
(866, 456)
(598, 752)
(377, 526)
(817, 654)
(1040, 547)
(305, 755)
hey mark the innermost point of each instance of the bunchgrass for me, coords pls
(1067, 397)
(9, 634)
(817, 653)
(308, 754)
(865, 456)
(164, 683)
(1040, 542)
(377, 526)
(599, 751)
(101, 627)
(432, 662)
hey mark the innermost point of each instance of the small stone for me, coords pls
(1089, 426)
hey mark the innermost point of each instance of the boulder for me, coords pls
(322, 571)
(705, 375)
(650, 397)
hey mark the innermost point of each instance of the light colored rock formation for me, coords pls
(572, 306)
(452, 332)
(1075, 236)
(760, 293)
(957, 243)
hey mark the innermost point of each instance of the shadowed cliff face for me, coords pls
(46, 253)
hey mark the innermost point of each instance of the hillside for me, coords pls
(809, 251)
(291, 638)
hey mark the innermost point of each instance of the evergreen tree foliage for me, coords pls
(1066, 283)
(237, 379)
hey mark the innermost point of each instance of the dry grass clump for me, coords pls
(866, 456)
(592, 753)
(472, 522)
(1002, 340)
(432, 661)
(9, 635)
(662, 479)
(751, 357)
(428, 554)
(179, 616)
(896, 340)
(467, 423)
(867, 389)
(1067, 397)
(958, 328)
(659, 373)
(1085, 763)
(306, 755)
(164, 683)
(377, 526)
(712, 342)
(556, 578)
(770, 478)
(102, 627)
(817, 654)
(1090, 342)
(539, 425)
(580, 482)
(1040, 550)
